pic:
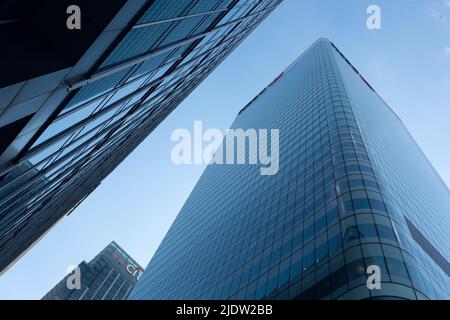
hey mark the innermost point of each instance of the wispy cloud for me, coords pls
(436, 14)
(447, 49)
(447, 3)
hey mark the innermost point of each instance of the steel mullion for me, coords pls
(153, 23)
(62, 171)
(65, 156)
(123, 65)
(103, 95)
(115, 90)
(89, 119)
(32, 153)
(153, 112)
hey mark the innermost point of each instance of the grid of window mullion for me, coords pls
(112, 126)
(365, 186)
(250, 9)
(108, 150)
(228, 16)
(80, 134)
(99, 156)
(123, 132)
(144, 57)
(61, 174)
(101, 127)
(175, 75)
(199, 45)
(221, 40)
(168, 32)
(190, 61)
(184, 64)
(185, 83)
(79, 125)
(206, 13)
(202, 56)
(28, 189)
(120, 109)
(117, 138)
(94, 116)
(98, 98)
(112, 91)
(90, 118)
(33, 201)
(42, 172)
(97, 109)
(235, 42)
(240, 30)
(245, 29)
(241, 11)
(161, 36)
(338, 132)
(34, 196)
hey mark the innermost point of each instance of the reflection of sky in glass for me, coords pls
(136, 204)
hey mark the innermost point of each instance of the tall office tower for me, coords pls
(109, 276)
(83, 82)
(353, 190)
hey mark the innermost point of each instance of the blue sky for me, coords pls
(407, 62)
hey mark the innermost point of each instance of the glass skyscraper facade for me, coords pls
(109, 276)
(353, 190)
(75, 103)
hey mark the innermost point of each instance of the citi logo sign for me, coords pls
(135, 272)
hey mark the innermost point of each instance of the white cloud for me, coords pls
(447, 49)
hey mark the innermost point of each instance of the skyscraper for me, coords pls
(109, 276)
(353, 192)
(84, 82)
